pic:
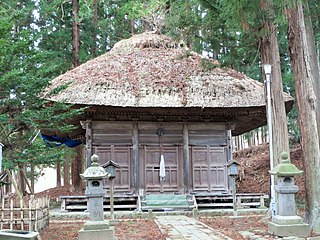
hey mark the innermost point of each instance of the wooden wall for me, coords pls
(195, 154)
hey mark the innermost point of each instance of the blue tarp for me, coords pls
(54, 141)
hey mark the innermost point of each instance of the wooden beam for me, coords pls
(229, 155)
(186, 158)
(135, 153)
(229, 144)
(87, 125)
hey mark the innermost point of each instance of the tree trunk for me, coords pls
(76, 33)
(58, 168)
(314, 62)
(66, 171)
(306, 104)
(95, 27)
(21, 181)
(77, 170)
(32, 176)
(269, 52)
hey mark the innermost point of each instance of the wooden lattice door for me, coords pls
(122, 156)
(209, 168)
(172, 158)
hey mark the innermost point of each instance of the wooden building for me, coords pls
(149, 97)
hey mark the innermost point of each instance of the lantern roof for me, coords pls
(285, 168)
(95, 171)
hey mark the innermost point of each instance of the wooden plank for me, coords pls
(207, 140)
(102, 125)
(113, 131)
(215, 204)
(21, 215)
(103, 140)
(207, 126)
(166, 140)
(208, 132)
(11, 214)
(79, 207)
(167, 126)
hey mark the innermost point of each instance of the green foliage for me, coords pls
(183, 23)
(30, 56)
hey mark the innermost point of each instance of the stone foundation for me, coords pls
(97, 230)
(285, 226)
(104, 234)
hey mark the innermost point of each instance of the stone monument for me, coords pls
(286, 222)
(96, 228)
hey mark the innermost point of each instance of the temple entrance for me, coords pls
(173, 166)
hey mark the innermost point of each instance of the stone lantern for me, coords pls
(96, 228)
(286, 222)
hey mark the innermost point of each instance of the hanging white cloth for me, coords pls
(162, 173)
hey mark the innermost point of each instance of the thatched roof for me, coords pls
(149, 74)
(150, 70)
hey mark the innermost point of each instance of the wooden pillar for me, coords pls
(87, 125)
(229, 156)
(229, 144)
(135, 153)
(186, 158)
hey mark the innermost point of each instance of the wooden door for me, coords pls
(122, 156)
(172, 159)
(209, 168)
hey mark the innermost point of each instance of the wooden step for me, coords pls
(79, 203)
(244, 200)
(167, 201)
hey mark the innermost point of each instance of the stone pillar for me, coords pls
(286, 222)
(96, 228)
(286, 190)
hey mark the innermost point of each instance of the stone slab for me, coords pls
(287, 220)
(283, 230)
(96, 225)
(182, 227)
(18, 235)
(106, 234)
